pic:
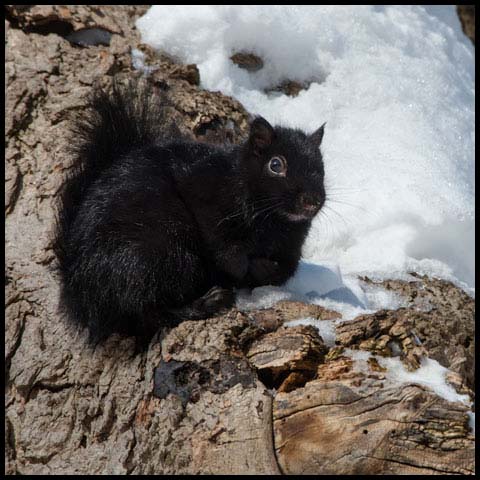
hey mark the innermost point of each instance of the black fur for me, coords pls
(153, 229)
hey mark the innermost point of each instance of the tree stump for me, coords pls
(238, 393)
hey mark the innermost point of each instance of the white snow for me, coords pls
(395, 85)
(138, 61)
(323, 285)
(326, 328)
(265, 297)
(430, 374)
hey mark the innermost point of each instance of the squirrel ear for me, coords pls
(261, 134)
(317, 136)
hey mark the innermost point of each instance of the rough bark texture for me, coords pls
(466, 14)
(350, 424)
(201, 399)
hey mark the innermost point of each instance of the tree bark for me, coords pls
(238, 393)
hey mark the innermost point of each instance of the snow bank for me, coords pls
(396, 87)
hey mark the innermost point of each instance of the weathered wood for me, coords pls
(287, 349)
(350, 425)
(289, 357)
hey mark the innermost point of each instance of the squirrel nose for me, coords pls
(310, 203)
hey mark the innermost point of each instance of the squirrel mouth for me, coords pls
(305, 214)
(298, 217)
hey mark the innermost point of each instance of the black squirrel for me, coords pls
(154, 229)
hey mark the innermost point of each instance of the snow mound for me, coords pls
(396, 87)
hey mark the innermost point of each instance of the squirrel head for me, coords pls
(285, 170)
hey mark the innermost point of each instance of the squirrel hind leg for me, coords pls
(212, 303)
(215, 301)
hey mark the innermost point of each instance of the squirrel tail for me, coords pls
(115, 122)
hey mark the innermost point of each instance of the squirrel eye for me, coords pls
(277, 166)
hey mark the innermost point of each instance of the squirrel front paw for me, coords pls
(234, 262)
(264, 271)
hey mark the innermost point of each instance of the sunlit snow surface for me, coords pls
(395, 85)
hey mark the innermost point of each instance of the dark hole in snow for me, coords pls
(247, 61)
